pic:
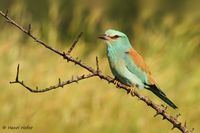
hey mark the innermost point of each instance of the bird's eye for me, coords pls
(115, 37)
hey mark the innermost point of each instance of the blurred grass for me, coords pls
(167, 34)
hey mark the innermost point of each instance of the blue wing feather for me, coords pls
(132, 67)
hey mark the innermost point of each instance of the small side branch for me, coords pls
(17, 76)
(74, 43)
(97, 64)
(29, 29)
(59, 84)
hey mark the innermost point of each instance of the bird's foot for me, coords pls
(131, 90)
(116, 82)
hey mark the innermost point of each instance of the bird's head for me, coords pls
(113, 37)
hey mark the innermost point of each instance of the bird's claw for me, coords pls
(130, 90)
(115, 81)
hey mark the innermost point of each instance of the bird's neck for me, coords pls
(117, 49)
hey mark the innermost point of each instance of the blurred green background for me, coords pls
(165, 32)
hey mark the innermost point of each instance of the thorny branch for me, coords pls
(93, 72)
(59, 84)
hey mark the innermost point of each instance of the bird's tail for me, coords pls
(161, 95)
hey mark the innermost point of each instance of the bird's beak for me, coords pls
(103, 37)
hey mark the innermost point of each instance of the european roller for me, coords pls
(128, 66)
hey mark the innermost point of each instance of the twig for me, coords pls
(29, 28)
(74, 43)
(17, 76)
(97, 64)
(59, 84)
(157, 108)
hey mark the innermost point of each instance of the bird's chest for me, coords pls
(116, 59)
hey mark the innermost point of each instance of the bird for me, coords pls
(128, 66)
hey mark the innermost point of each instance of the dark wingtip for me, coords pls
(161, 95)
(174, 106)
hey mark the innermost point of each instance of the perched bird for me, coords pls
(128, 66)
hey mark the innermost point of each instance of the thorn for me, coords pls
(162, 105)
(72, 78)
(163, 117)
(29, 29)
(100, 77)
(59, 82)
(185, 124)
(36, 87)
(17, 76)
(97, 64)
(128, 91)
(64, 56)
(156, 114)
(83, 76)
(117, 86)
(173, 127)
(148, 103)
(179, 124)
(178, 115)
